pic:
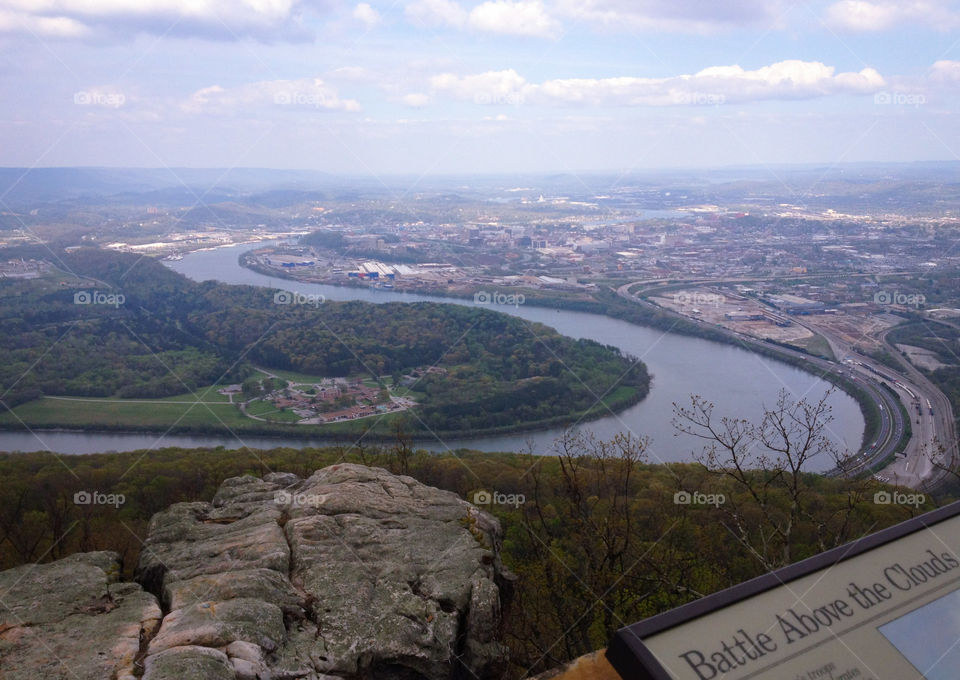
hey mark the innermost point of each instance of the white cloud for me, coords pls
(863, 15)
(301, 94)
(265, 9)
(523, 17)
(366, 14)
(492, 87)
(416, 100)
(226, 18)
(857, 15)
(507, 17)
(791, 79)
(43, 26)
(946, 70)
(682, 16)
(436, 13)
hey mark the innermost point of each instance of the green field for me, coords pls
(265, 409)
(49, 412)
(816, 345)
(205, 394)
(407, 392)
(157, 416)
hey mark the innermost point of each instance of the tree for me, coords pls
(582, 541)
(773, 508)
(401, 452)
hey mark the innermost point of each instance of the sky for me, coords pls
(460, 86)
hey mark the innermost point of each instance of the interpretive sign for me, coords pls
(885, 607)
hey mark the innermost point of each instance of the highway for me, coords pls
(935, 433)
(916, 474)
(932, 449)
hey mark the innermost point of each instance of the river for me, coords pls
(738, 382)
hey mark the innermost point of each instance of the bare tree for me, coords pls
(401, 452)
(769, 465)
(588, 539)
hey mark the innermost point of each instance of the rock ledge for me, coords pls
(351, 573)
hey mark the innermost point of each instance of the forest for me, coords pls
(171, 336)
(600, 541)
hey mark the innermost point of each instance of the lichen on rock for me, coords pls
(353, 572)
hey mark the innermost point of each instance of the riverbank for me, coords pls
(217, 419)
(739, 382)
(608, 303)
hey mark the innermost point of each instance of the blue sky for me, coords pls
(438, 86)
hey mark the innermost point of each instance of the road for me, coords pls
(891, 419)
(937, 441)
(927, 456)
(700, 280)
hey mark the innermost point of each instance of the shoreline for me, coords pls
(657, 318)
(334, 436)
(619, 310)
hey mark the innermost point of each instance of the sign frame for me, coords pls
(631, 658)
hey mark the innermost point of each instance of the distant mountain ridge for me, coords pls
(905, 186)
(22, 187)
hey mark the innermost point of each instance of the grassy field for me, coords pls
(201, 394)
(265, 409)
(91, 414)
(407, 392)
(817, 345)
(49, 412)
(183, 413)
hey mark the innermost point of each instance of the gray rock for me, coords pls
(189, 663)
(246, 651)
(194, 539)
(352, 573)
(261, 584)
(70, 619)
(244, 670)
(377, 575)
(282, 479)
(217, 624)
(393, 565)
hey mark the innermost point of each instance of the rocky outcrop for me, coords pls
(73, 619)
(351, 573)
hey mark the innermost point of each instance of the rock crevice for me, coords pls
(350, 573)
